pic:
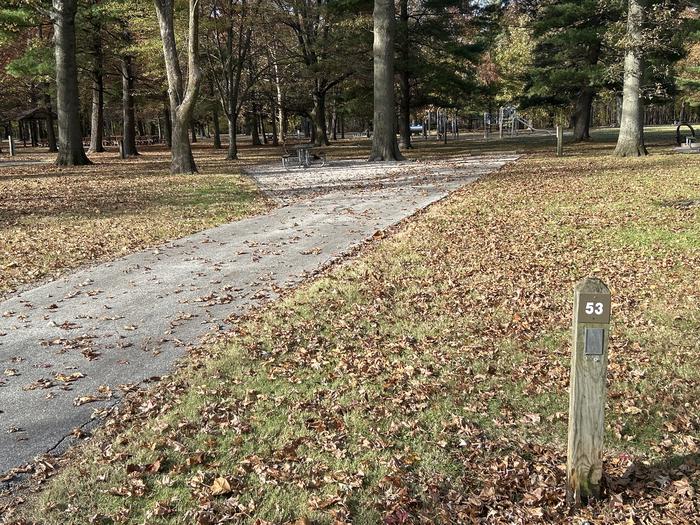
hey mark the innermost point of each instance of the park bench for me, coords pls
(302, 156)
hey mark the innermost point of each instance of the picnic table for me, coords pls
(302, 157)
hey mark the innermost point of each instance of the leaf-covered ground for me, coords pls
(426, 381)
(53, 219)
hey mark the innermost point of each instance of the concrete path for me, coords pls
(67, 346)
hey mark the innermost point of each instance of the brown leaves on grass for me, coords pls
(428, 382)
(53, 219)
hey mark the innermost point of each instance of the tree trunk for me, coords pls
(97, 116)
(232, 135)
(279, 113)
(273, 120)
(384, 144)
(318, 118)
(334, 123)
(193, 131)
(582, 114)
(630, 141)
(181, 100)
(254, 127)
(128, 114)
(263, 133)
(217, 129)
(71, 152)
(404, 78)
(168, 123)
(50, 134)
(182, 160)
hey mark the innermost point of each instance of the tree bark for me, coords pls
(71, 152)
(404, 77)
(384, 144)
(582, 114)
(128, 114)
(182, 99)
(318, 119)
(630, 141)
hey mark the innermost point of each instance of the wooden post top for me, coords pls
(591, 285)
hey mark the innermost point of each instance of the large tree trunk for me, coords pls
(404, 78)
(384, 144)
(582, 114)
(630, 141)
(181, 100)
(50, 134)
(128, 114)
(182, 160)
(71, 152)
(318, 119)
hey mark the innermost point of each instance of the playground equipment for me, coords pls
(509, 122)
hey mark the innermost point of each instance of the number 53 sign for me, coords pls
(594, 308)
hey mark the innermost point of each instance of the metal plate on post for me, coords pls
(593, 344)
(594, 308)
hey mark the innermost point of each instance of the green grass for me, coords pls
(426, 382)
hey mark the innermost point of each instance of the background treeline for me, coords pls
(172, 71)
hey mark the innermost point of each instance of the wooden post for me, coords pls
(11, 144)
(560, 140)
(589, 363)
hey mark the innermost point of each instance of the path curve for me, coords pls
(68, 345)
